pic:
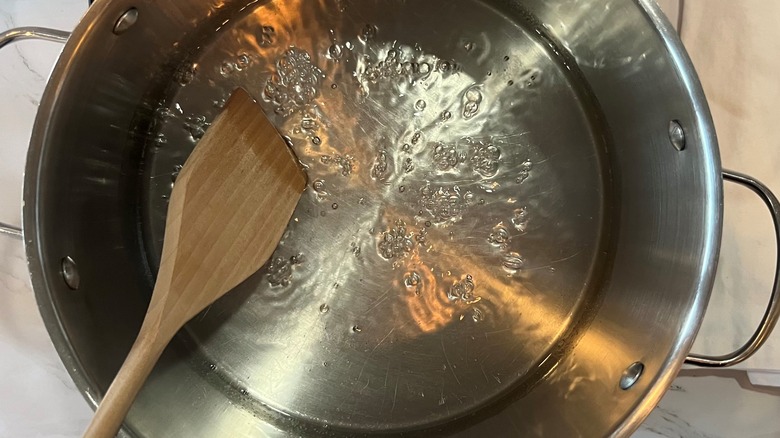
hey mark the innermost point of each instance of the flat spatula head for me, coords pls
(229, 208)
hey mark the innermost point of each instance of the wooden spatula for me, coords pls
(229, 208)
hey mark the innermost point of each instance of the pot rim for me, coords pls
(708, 144)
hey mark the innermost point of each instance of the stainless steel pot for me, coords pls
(609, 143)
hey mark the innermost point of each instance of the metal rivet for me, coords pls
(126, 21)
(70, 273)
(631, 375)
(677, 135)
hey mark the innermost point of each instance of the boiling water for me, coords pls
(453, 217)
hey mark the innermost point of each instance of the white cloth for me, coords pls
(733, 46)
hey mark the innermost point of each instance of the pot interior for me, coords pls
(496, 225)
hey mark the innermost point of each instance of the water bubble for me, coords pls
(336, 51)
(520, 219)
(162, 114)
(242, 61)
(334, 206)
(445, 157)
(477, 315)
(510, 83)
(196, 126)
(186, 74)
(472, 99)
(512, 262)
(381, 168)
(348, 45)
(334, 86)
(213, 366)
(392, 55)
(395, 242)
(316, 140)
(525, 171)
(368, 33)
(324, 308)
(280, 271)
(408, 165)
(297, 259)
(227, 68)
(416, 137)
(446, 116)
(469, 46)
(406, 147)
(346, 164)
(421, 237)
(419, 105)
(443, 65)
(506, 58)
(356, 329)
(499, 235)
(484, 157)
(413, 281)
(308, 124)
(402, 189)
(463, 290)
(372, 75)
(424, 68)
(295, 83)
(444, 204)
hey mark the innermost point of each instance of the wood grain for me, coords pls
(229, 208)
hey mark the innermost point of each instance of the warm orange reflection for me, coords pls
(499, 302)
(426, 303)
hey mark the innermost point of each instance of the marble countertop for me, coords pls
(38, 399)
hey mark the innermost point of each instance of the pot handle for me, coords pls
(772, 313)
(28, 33)
(33, 33)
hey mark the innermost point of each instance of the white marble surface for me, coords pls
(37, 398)
(712, 407)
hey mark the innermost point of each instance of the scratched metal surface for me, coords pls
(374, 324)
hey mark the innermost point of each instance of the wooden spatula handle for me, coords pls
(131, 377)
